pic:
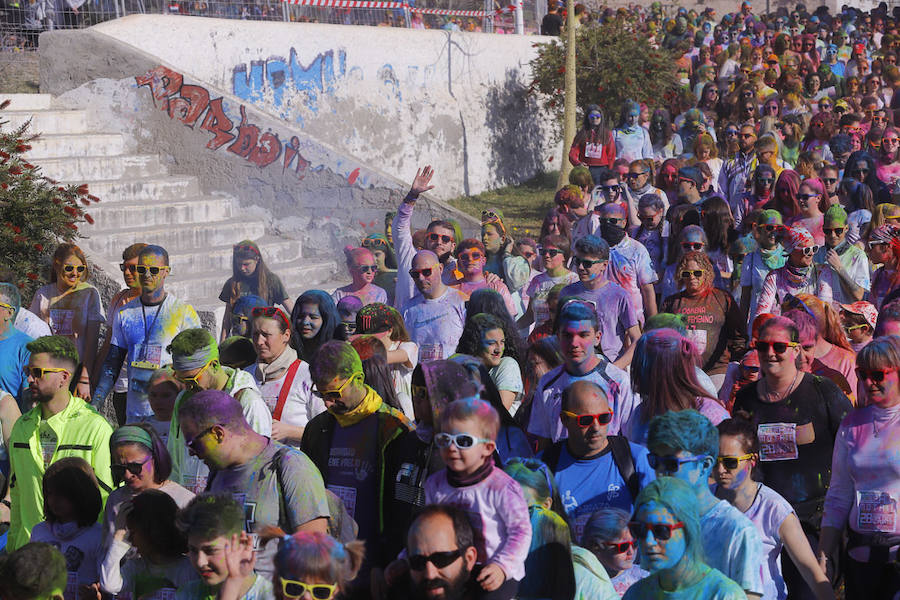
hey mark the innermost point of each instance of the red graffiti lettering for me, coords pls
(190, 105)
(246, 137)
(292, 151)
(163, 82)
(219, 124)
(267, 151)
(351, 179)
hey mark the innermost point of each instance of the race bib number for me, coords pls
(777, 441)
(347, 496)
(195, 483)
(593, 150)
(877, 512)
(429, 352)
(541, 312)
(61, 321)
(698, 337)
(147, 356)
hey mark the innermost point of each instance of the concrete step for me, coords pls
(138, 189)
(217, 258)
(161, 213)
(69, 145)
(191, 239)
(47, 121)
(27, 101)
(86, 168)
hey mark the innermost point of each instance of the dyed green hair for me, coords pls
(209, 516)
(60, 349)
(335, 359)
(666, 321)
(680, 500)
(190, 341)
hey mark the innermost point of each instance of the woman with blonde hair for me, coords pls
(706, 151)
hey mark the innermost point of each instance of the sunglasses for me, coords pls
(295, 589)
(470, 257)
(635, 175)
(753, 370)
(661, 531)
(833, 230)
(585, 421)
(426, 273)
(39, 372)
(595, 116)
(806, 196)
(463, 441)
(731, 133)
(193, 441)
(619, 547)
(770, 228)
(142, 270)
(732, 462)
(610, 189)
(7, 306)
(809, 250)
(135, 468)
(193, 382)
(437, 237)
(335, 395)
(850, 328)
(551, 252)
(875, 375)
(130, 268)
(271, 312)
(777, 347)
(586, 263)
(374, 243)
(890, 141)
(70, 268)
(669, 464)
(830, 180)
(764, 181)
(688, 274)
(367, 268)
(441, 560)
(692, 245)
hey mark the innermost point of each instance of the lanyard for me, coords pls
(148, 329)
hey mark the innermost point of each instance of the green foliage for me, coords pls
(615, 62)
(36, 213)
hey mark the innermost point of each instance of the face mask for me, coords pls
(613, 234)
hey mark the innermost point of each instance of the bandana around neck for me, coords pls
(369, 406)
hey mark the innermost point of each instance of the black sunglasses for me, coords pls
(551, 252)
(434, 237)
(441, 560)
(135, 468)
(778, 347)
(833, 230)
(423, 272)
(586, 263)
(696, 273)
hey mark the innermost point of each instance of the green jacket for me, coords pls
(80, 431)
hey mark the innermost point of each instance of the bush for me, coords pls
(614, 63)
(36, 213)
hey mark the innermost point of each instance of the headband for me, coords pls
(200, 358)
(131, 434)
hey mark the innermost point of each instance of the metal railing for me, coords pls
(21, 21)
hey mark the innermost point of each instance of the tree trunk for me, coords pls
(569, 117)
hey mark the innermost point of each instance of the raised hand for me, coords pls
(420, 183)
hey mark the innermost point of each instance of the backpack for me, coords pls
(621, 453)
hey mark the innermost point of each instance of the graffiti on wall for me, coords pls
(192, 105)
(277, 75)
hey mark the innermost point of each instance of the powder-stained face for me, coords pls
(149, 281)
(134, 454)
(492, 346)
(658, 554)
(491, 238)
(309, 321)
(577, 340)
(364, 270)
(71, 271)
(208, 558)
(732, 479)
(472, 261)
(880, 392)
(609, 556)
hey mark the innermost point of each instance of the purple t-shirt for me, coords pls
(615, 313)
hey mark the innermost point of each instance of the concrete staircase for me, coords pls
(142, 202)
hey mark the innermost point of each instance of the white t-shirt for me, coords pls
(31, 325)
(300, 406)
(401, 375)
(507, 376)
(537, 292)
(436, 325)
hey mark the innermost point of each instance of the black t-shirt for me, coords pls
(551, 24)
(275, 292)
(799, 470)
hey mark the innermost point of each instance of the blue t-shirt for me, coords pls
(586, 485)
(13, 358)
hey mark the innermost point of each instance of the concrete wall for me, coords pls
(394, 98)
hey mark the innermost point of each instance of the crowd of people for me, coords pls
(687, 386)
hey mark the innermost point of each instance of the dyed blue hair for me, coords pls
(549, 572)
(245, 304)
(685, 430)
(680, 500)
(591, 245)
(839, 144)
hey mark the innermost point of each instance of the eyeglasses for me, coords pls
(830, 180)
(692, 245)
(619, 547)
(270, 311)
(335, 395)
(463, 441)
(635, 175)
(441, 560)
(833, 230)
(426, 273)
(806, 196)
(809, 250)
(39, 372)
(70, 268)
(586, 263)
(374, 243)
(135, 468)
(764, 181)
(130, 268)
(470, 257)
(595, 116)
(688, 274)
(190, 443)
(647, 217)
(850, 328)
(586, 420)
(777, 347)
(367, 268)
(550, 252)
(142, 269)
(890, 141)
(770, 228)
(875, 375)
(295, 589)
(661, 531)
(731, 133)
(732, 462)
(193, 382)
(610, 189)
(669, 464)
(437, 237)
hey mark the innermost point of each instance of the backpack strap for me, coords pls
(621, 453)
(285, 389)
(551, 455)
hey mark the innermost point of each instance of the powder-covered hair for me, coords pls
(574, 309)
(159, 453)
(604, 525)
(60, 349)
(35, 570)
(827, 320)
(664, 373)
(73, 478)
(681, 500)
(889, 313)
(376, 371)
(805, 323)
(473, 409)
(533, 474)
(591, 245)
(189, 341)
(780, 323)
(666, 321)
(208, 408)
(881, 353)
(335, 359)
(354, 255)
(549, 571)
(153, 250)
(211, 515)
(469, 244)
(315, 555)
(684, 430)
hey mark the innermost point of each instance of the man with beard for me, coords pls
(639, 184)
(59, 426)
(848, 261)
(440, 238)
(441, 555)
(435, 316)
(735, 171)
(689, 181)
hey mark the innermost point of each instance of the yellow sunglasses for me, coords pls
(295, 589)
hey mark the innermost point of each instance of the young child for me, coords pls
(162, 390)
(859, 321)
(213, 524)
(72, 504)
(347, 308)
(492, 499)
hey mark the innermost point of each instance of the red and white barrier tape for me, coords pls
(388, 4)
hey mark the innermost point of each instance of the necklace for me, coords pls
(783, 395)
